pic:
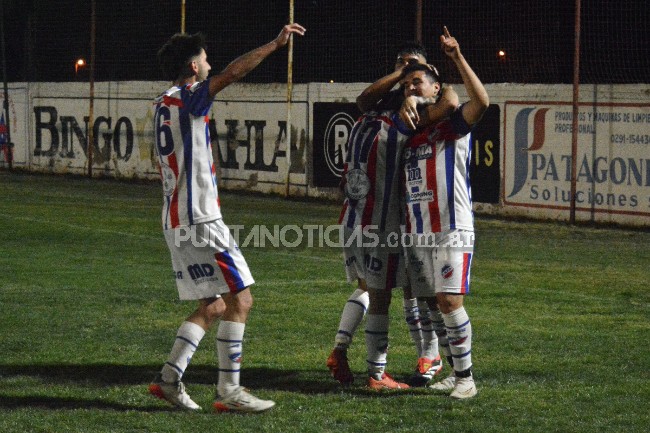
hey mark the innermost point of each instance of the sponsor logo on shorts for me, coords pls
(447, 272)
(350, 261)
(415, 264)
(178, 275)
(373, 264)
(200, 273)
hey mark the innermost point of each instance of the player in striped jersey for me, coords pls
(370, 216)
(439, 218)
(208, 265)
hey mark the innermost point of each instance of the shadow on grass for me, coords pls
(63, 403)
(100, 375)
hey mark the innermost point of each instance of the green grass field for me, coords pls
(89, 310)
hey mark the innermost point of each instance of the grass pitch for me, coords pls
(88, 313)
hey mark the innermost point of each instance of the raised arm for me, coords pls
(372, 94)
(245, 63)
(478, 97)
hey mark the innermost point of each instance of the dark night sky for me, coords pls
(347, 41)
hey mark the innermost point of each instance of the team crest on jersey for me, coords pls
(168, 179)
(447, 272)
(357, 184)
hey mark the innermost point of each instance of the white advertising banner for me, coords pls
(612, 165)
(251, 143)
(531, 124)
(123, 136)
(248, 139)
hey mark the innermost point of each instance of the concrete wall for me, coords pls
(529, 142)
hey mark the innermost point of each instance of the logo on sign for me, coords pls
(336, 141)
(522, 150)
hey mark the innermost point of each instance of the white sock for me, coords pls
(351, 317)
(438, 324)
(459, 333)
(429, 337)
(412, 318)
(188, 337)
(376, 343)
(230, 336)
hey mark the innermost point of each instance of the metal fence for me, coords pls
(347, 41)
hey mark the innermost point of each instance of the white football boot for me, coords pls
(241, 401)
(465, 388)
(174, 393)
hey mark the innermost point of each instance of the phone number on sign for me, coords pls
(630, 139)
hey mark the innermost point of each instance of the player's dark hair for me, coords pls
(432, 74)
(412, 47)
(174, 57)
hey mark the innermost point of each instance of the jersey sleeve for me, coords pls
(196, 98)
(400, 125)
(458, 122)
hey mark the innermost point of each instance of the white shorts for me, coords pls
(443, 267)
(380, 266)
(207, 261)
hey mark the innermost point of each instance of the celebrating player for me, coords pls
(370, 184)
(439, 208)
(209, 268)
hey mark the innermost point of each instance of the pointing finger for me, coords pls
(446, 31)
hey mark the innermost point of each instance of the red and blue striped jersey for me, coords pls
(185, 159)
(436, 178)
(371, 172)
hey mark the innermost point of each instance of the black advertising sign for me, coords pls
(485, 164)
(333, 122)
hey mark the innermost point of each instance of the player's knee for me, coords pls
(245, 303)
(448, 302)
(212, 309)
(241, 302)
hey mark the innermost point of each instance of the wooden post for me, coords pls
(418, 22)
(91, 102)
(289, 96)
(576, 106)
(182, 16)
(10, 152)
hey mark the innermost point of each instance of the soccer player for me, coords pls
(370, 217)
(439, 216)
(208, 265)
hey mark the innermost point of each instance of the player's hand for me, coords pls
(287, 31)
(402, 63)
(408, 112)
(449, 44)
